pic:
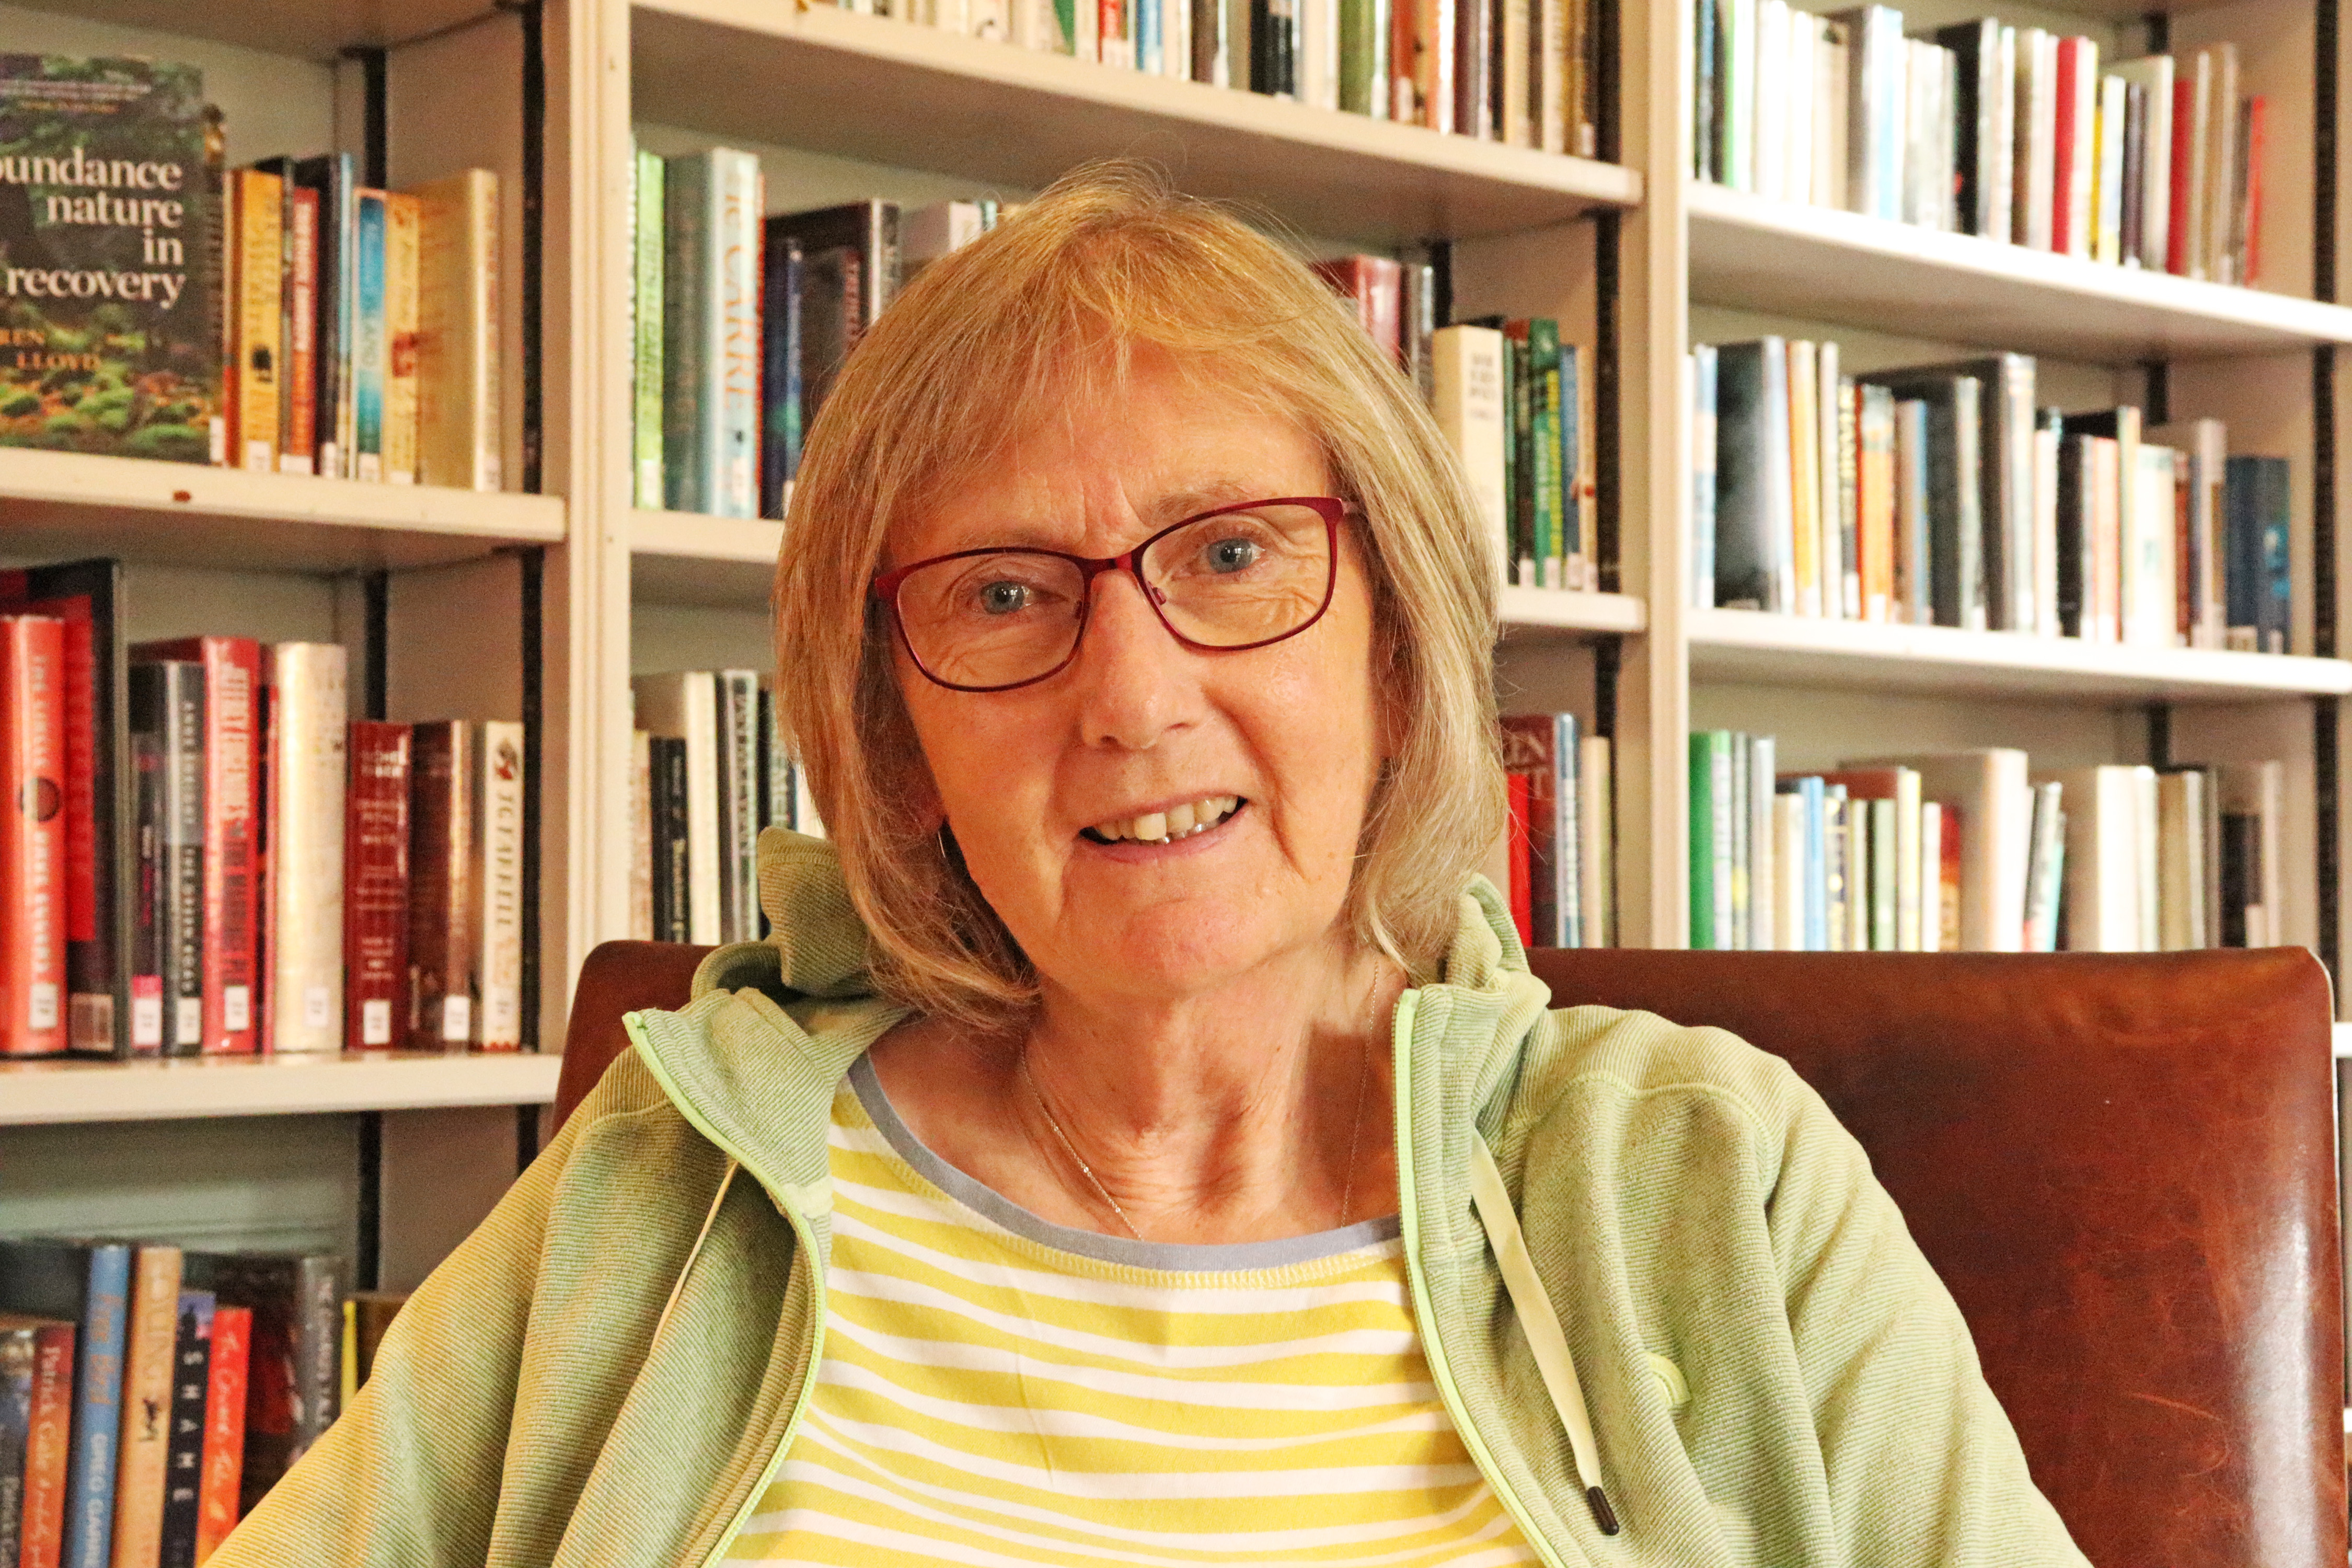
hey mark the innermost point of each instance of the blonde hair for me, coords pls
(1036, 321)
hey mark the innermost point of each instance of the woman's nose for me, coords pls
(1131, 673)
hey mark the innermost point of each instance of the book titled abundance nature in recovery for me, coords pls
(108, 341)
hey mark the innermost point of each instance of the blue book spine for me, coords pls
(367, 391)
(2241, 550)
(1573, 542)
(2275, 619)
(1149, 43)
(1566, 857)
(98, 1409)
(1702, 477)
(735, 359)
(780, 373)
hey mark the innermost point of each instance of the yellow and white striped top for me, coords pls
(998, 1391)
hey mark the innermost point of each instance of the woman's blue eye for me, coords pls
(1003, 598)
(1233, 554)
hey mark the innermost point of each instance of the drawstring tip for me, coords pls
(1602, 1514)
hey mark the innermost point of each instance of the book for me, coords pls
(709, 356)
(2154, 76)
(1711, 779)
(87, 1284)
(307, 707)
(2102, 902)
(114, 343)
(641, 837)
(33, 836)
(376, 884)
(146, 1423)
(2073, 170)
(218, 1494)
(232, 880)
(1754, 490)
(2002, 473)
(436, 1010)
(2251, 798)
(1595, 837)
(2258, 504)
(43, 1444)
(256, 254)
(292, 1373)
(298, 407)
(850, 268)
(672, 870)
(167, 719)
(457, 349)
(497, 921)
(1543, 748)
(2046, 869)
(737, 696)
(1466, 370)
(780, 375)
(650, 227)
(1988, 801)
(331, 178)
(685, 706)
(183, 1468)
(372, 329)
(100, 865)
(401, 296)
(1912, 884)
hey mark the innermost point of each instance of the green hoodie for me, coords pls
(609, 1370)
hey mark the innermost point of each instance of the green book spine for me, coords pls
(1704, 744)
(686, 330)
(1525, 544)
(1543, 445)
(646, 210)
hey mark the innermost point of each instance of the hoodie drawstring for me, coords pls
(1541, 1323)
(726, 1180)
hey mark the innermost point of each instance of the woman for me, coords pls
(1135, 1143)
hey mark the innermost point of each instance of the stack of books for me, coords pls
(275, 318)
(1977, 851)
(151, 1395)
(1561, 848)
(2011, 133)
(225, 862)
(711, 769)
(1943, 495)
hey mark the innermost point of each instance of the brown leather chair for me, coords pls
(2123, 1166)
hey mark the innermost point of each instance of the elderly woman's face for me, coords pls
(1044, 784)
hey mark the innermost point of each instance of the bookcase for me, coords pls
(542, 602)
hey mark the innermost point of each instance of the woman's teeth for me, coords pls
(1165, 826)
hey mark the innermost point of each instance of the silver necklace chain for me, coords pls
(1347, 1190)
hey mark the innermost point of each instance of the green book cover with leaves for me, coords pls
(109, 339)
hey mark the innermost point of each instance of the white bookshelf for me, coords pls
(1822, 264)
(1530, 613)
(317, 30)
(35, 1093)
(1751, 647)
(887, 92)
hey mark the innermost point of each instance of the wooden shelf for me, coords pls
(870, 87)
(1748, 646)
(687, 558)
(1822, 264)
(74, 1091)
(318, 30)
(55, 505)
(1528, 613)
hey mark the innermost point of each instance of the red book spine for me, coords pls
(48, 1444)
(2184, 156)
(224, 1462)
(301, 352)
(2061, 168)
(375, 885)
(2257, 107)
(33, 839)
(1522, 885)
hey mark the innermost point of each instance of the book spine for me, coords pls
(1703, 395)
(738, 694)
(15, 1433)
(318, 1350)
(672, 851)
(224, 1445)
(232, 888)
(260, 277)
(780, 375)
(375, 883)
(439, 1012)
(49, 1445)
(184, 1470)
(167, 714)
(146, 1408)
(686, 330)
(1532, 761)
(33, 841)
(310, 717)
(302, 337)
(734, 356)
(498, 882)
(641, 838)
(98, 1409)
(646, 331)
(372, 345)
(1466, 370)
(400, 307)
(346, 367)
(456, 328)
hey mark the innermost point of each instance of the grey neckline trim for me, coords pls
(1167, 1256)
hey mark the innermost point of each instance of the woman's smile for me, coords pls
(1154, 836)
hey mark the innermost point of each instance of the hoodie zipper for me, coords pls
(807, 1240)
(1441, 1364)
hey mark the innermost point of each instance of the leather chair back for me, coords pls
(2123, 1166)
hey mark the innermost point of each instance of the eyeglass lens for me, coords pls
(1228, 581)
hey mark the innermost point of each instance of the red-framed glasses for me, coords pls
(1237, 577)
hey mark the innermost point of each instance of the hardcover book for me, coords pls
(87, 1284)
(40, 1449)
(33, 836)
(309, 711)
(439, 1011)
(167, 721)
(497, 921)
(109, 342)
(375, 885)
(294, 1374)
(184, 1469)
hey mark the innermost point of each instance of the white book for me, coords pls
(1738, 92)
(1931, 876)
(2203, 448)
(641, 838)
(1548, 96)
(1788, 860)
(737, 698)
(1515, 20)
(1466, 364)
(2180, 861)
(498, 887)
(1764, 916)
(2107, 195)
(2082, 180)
(1796, 90)
(1833, 90)
(1771, 99)
(2153, 74)
(2152, 618)
(2192, 143)
(2046, 870)
(1998, 213)
(1596, 876)
(684, 704)
(1988, 789)
(1176, 30)
(310, 712)
(2103, 851)
(2037, 137)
